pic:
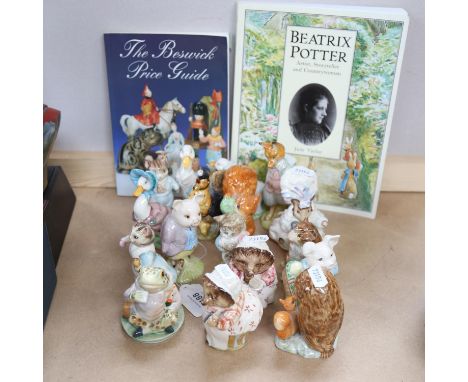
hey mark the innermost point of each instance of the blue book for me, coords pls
(166, 90)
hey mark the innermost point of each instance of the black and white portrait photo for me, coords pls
(312, 114)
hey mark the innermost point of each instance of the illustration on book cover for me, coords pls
(166, 91)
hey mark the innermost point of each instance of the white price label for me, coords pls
(140, 296)
(192, 296)
(318, 277)
(254, 239)
(303, 171)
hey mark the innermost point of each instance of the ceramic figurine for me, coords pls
(166, 184)
(232, 229)
(197, 119)
(144, 210)
(232, 309)
(303, 232)
(179, 239)
(348, 187)
(281, 227)
(152, 311)
(208, 228)
(271, 195)
(320, 312)
(297, 183)
(285, 321)
(320, 253)
(185, 175)
(216, 185)
(215, 147)
(140, 240)
(254, 263)
(240, 184)
(174, 145)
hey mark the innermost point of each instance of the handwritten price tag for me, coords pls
(318, 277)
(254, 239)
(192, 296)
(303, 171)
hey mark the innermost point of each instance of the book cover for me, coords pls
(321, 80)
(166, 90)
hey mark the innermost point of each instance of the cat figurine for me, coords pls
(232, 229)
(132, 152)
(140, 240)
(254, 263)
(231, 309)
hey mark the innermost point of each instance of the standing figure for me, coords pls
(152, 311)
(232, 309)
(198, 122)
(216, 145)
(179, 239)
(144, 210)
(185, 175)
(271, 194)
(149, 115)
(240, 190)
(232, 230)
(174, 145)
(348, 185)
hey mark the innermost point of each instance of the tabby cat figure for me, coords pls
(132, 152)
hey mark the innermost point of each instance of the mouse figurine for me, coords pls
(231, 309)
(152, 310)
(179, 238)
(254, 263)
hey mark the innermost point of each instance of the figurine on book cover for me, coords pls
(311, 77)
(154, 80)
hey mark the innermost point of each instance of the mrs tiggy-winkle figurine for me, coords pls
(152, 311)
(310, 329)
(254, 263)
(179, 239)
(232, 309)
(144, 210)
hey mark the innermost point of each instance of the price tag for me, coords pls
(303, 171)
(140, 296)
(254, 239)
(318, 277)
(192, 296)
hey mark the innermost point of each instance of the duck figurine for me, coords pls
(185, 175)
(144, 210)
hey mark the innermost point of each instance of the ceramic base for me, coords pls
(157, 337)
(297, 345)
(193, 269)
